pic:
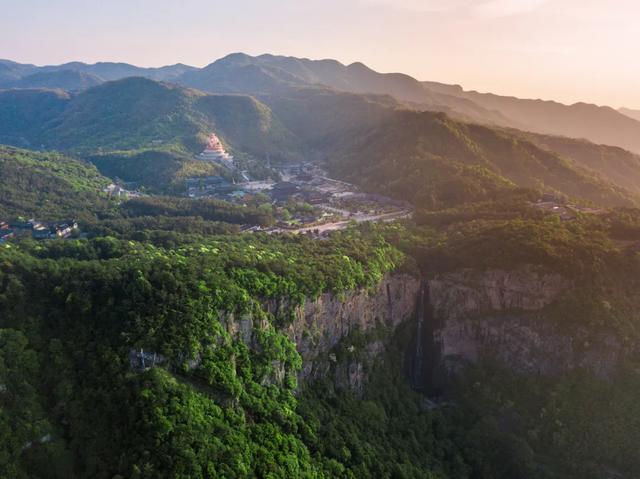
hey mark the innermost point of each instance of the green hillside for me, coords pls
(66, 350)
(25, 113)
(437, 162)
(599, 124)
(142, 130)
(150, 132)
(615, 164)
(63, 79)
(137, 113)
(48, 186)
(154, 169)
(128, 114)
(320, 116)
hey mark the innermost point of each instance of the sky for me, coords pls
(564, 50)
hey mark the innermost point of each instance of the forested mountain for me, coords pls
(48, 185)
(139, 113)
(242, 73)
(616, 165)
(436, 162)
(142, 130)
(269, 74)
(121, 357)
(24, 114)
(599, 124)
(150, 132)
(12, 72)
(109, 71)
(483, 337)
(319, 117)
(63, 79)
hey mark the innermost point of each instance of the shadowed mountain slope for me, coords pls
(599, 124)
(435, 162)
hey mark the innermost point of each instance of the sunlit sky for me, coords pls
(565, 50)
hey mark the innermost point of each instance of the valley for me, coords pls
(278, 267)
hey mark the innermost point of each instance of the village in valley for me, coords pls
(303, 196)
(300, 196)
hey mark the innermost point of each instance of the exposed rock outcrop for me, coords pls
(321, 324)
(471, 293)
(501, 313)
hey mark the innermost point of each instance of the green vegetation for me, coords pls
(167, 231)
(154, 170)
(436, 162)
(70, 80)
(221, 401)
(48, 185)
(213, 308)
(149, 132)
(24, 115)
(141, 130)
(207, 209)
(216, 407)
(614, 164)
(575, 425)
(387, 432)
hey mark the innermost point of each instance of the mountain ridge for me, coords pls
(631, 113)
(269, 74)
(599, 124)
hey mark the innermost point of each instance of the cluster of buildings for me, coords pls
(211, 187)
(297, 184)
(117, 191)
(332, 201)
(557, 205)
(37, 229)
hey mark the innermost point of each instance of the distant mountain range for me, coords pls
(375, 129)
(271, 74)
(105, 71)
(599, 124)
(71, 80)
(149, 132)
(635, 114)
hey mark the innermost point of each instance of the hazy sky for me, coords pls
(567, 50)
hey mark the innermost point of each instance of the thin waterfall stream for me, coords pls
(417, 377)
(426, 355)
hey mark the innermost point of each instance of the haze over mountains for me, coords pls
(150, 132)
(635, 114)
(268, 74)
(278, 267)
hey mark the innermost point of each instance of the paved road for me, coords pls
(340, 225)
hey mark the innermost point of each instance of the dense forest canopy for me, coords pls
(217, 406)
(49, 186)
(157, 340)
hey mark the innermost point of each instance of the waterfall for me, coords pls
(425, 360)
(417, 376)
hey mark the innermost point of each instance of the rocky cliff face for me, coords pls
(472, 293)
(320, 325)
(501, 313)
(497, 313)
